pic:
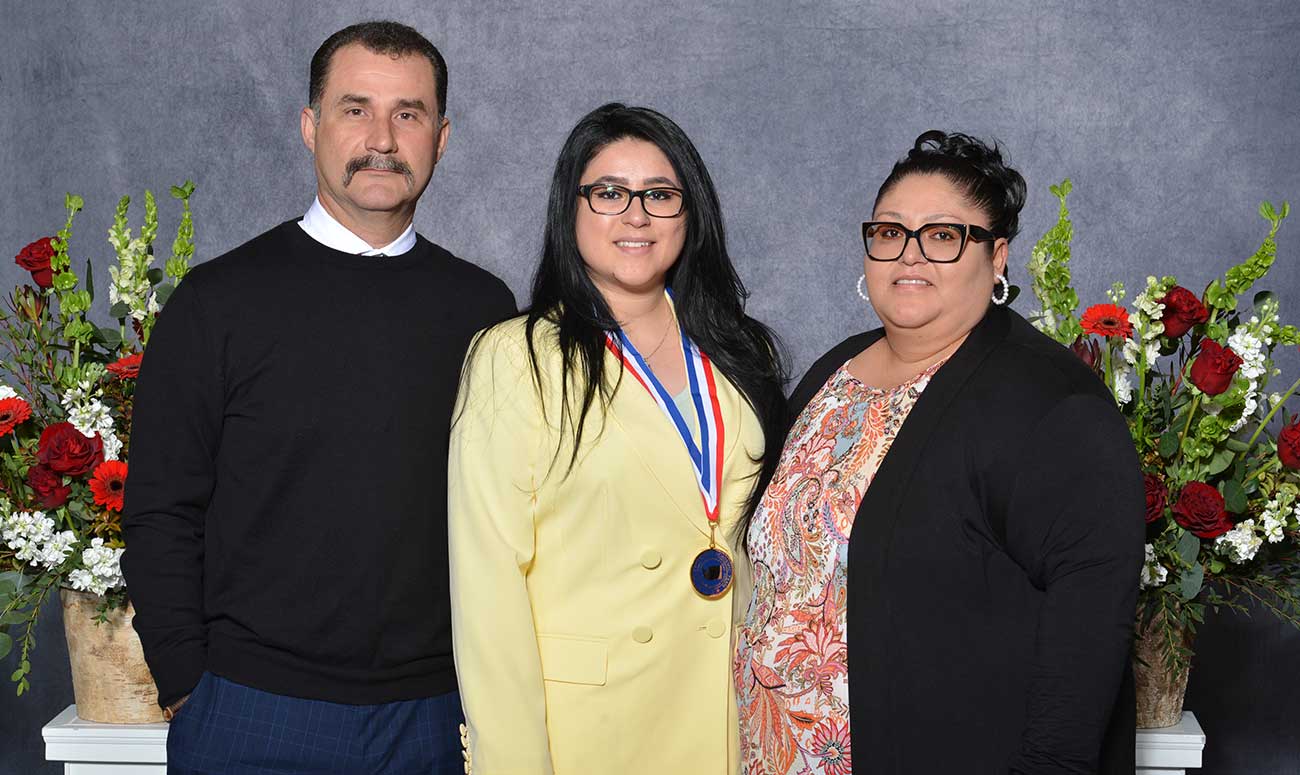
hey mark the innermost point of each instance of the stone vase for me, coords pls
(110, 680)
(1160, 692)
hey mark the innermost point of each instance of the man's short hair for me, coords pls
(379, 37)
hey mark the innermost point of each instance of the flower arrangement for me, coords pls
(66, 388)
(1220, 456)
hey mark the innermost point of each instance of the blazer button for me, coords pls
(715, 629)
(650, 559)
(642, 634)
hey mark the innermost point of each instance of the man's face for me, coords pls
(378, 136)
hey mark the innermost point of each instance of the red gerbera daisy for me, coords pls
(13, 411)
(1106, 320)
(126, 367)
(108, 483)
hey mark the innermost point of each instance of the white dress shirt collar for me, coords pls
(322, 227)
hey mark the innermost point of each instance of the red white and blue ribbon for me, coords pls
(706, 457)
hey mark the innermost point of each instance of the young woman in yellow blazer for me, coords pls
(604, 453)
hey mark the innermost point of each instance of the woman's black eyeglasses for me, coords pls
(942, 243)
(610, 199)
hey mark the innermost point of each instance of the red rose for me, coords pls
(48, 487)
(1157, 494)
(13, 412)
(108, 485)
(35, 258)
(67, 451)
(1200, 510)
(1288, 445)
(1214, 367)
(127, 367)
(1182, 311)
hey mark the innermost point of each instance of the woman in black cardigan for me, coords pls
(949, 549)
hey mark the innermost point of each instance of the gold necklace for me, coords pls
(663, 338)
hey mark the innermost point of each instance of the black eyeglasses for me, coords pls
(609, 199)
(942, 243)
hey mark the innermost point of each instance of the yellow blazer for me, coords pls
(580, 644)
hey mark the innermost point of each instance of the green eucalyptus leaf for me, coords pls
(1237, 445)
(1234, 497)
(119, 310)
(15, 577)
(164, 292)
(15, 617)
(7, 590)
(1189, 585)
(6, 644)
(155, 276)
(1188, 547)
(17, 675)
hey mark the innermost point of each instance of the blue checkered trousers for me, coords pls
(232, 729)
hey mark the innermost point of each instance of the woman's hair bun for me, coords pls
(975, 167)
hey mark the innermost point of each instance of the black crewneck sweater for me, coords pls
(285, 518)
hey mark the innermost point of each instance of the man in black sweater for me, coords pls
(285, 515)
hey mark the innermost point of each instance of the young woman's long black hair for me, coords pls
(708, 294)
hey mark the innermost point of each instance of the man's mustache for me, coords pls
(376, 162)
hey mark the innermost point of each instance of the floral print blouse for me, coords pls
(791, 664)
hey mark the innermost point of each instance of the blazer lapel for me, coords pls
(653, 439)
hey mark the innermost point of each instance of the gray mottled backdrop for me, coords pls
(1174, 118)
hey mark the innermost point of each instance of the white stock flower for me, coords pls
(90, 416)
(57, 549)
(102, 571)
(1272, 528)
(1153, 573)
(31, 537)
(7, 392)
(1240, 543)
(1250, 347)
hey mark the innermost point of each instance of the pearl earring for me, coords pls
(1002, 296)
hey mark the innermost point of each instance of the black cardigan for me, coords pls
(993, 567)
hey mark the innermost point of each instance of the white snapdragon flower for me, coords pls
(102, 569)
(1123, 387)
(1240, 543)
(1153, 573)
(1132, 350)
(112, 445)
(1149, 311)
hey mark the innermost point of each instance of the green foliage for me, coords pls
(1049, 266)
(1242, 277)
